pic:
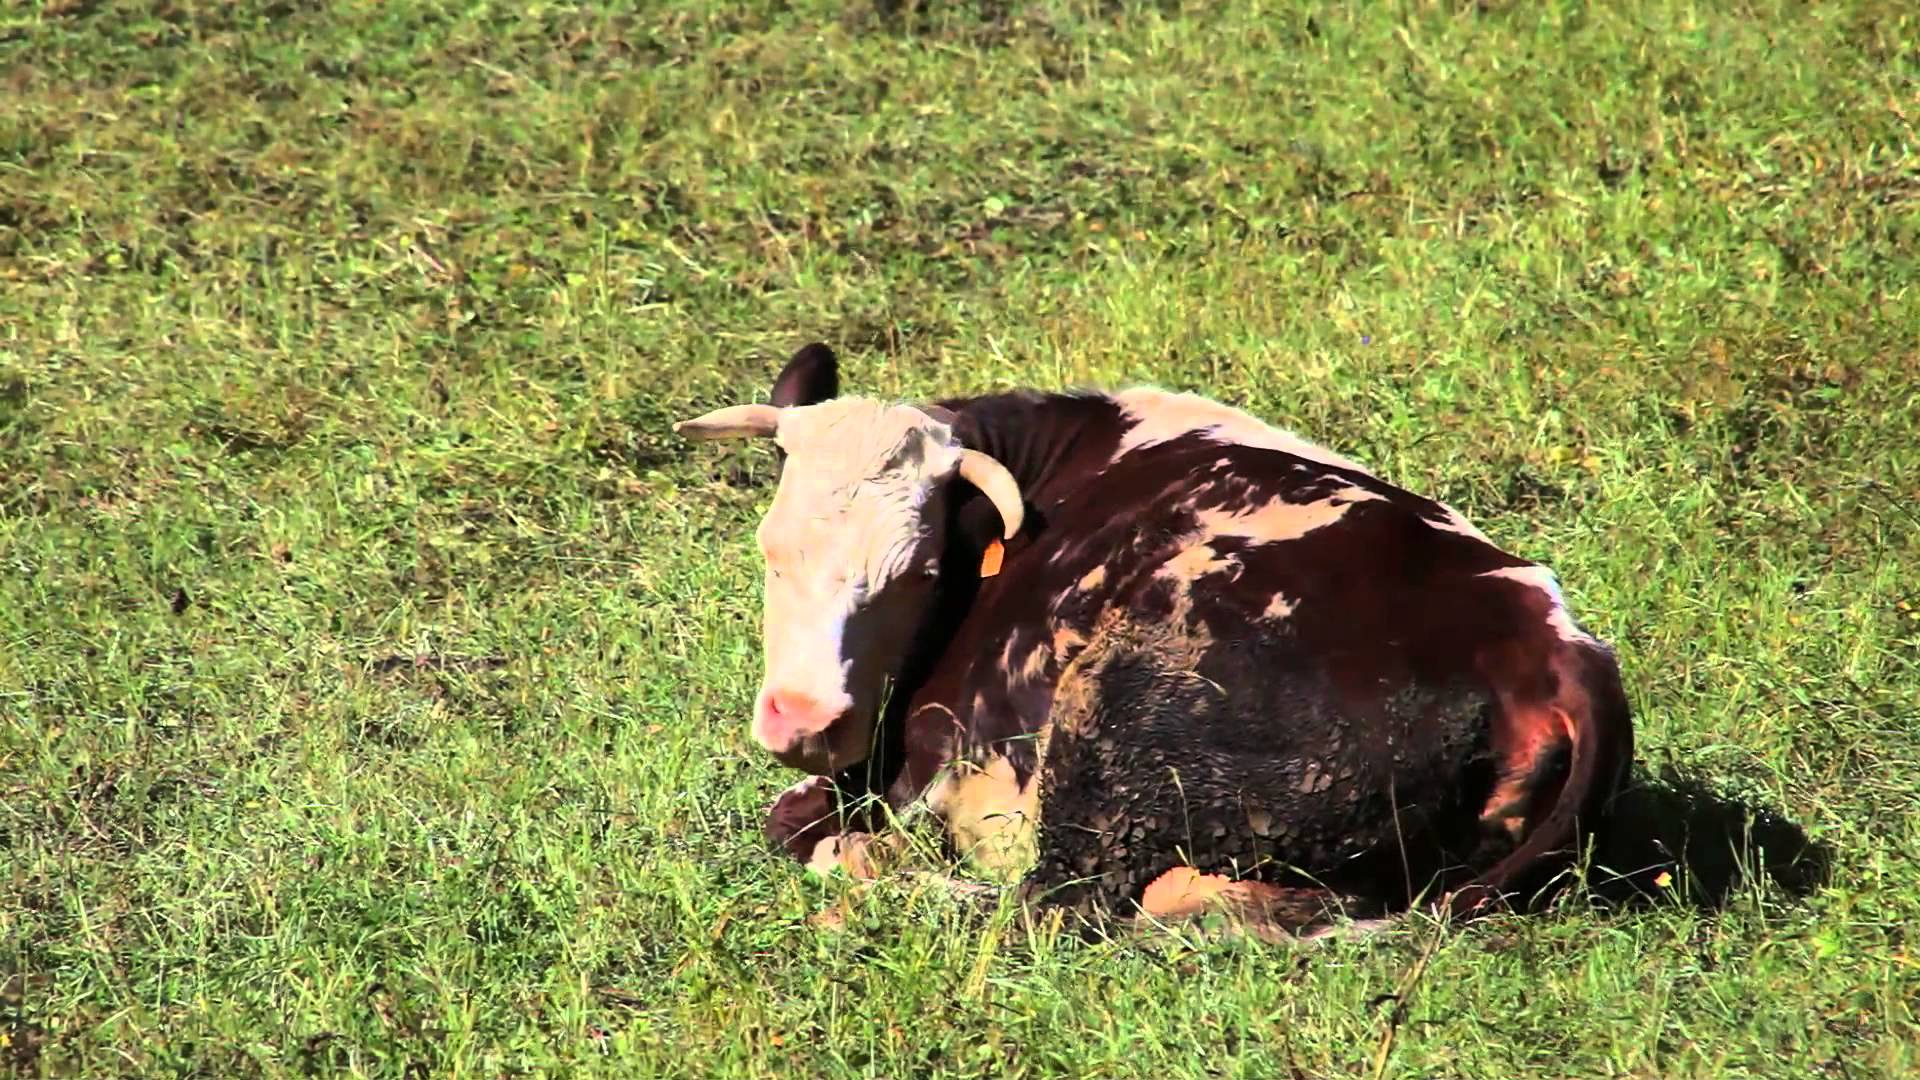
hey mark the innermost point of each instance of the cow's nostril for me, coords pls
(786, 716)
(792, 708)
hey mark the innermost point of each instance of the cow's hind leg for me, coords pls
(1273, 913)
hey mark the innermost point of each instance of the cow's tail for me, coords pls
(1596, 731)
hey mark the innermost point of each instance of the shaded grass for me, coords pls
(335, 333)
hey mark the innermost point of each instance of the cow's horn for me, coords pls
(997, 484)
(732, 422)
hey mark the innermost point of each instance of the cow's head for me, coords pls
(852, 546)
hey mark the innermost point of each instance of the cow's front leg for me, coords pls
(808, 822)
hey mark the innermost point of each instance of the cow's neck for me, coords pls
(1049, 442)
(1052, 444)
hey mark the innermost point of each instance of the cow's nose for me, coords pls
(788, 716)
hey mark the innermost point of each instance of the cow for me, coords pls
(1141, 653)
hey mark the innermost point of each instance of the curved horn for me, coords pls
(732, 422)
(998, 485)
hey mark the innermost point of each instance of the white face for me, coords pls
(852, 547)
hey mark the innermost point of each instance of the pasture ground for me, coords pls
(374, 662)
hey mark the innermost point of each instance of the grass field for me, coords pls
(375, 663)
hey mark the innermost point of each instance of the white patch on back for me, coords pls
(1558, 616)
(1278, 519)
(1453, 522)
(1278, 608)
(1197, 562)
(1159, 415)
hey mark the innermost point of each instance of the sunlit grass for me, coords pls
(331, 334)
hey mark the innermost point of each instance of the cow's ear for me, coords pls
(811, 376)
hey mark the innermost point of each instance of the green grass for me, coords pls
(331, 333)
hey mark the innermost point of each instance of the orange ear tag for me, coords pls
(990, 562)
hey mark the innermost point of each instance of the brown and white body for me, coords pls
(1216, 662)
